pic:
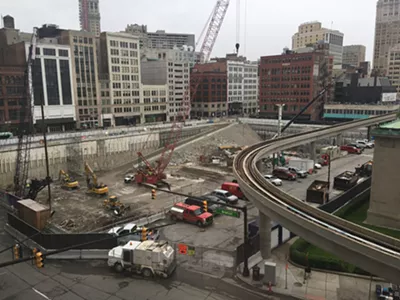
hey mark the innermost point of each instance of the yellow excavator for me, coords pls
(67, 181)
(93, 186)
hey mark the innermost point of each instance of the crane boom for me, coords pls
(213, 29)
(25, 132)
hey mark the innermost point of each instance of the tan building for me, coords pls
(312, 32)
(387, 32)
(353, 55)
(155, 107)
(84, 66)
(393, 69)
(89, 16)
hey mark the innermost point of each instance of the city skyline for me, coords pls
(261, 28)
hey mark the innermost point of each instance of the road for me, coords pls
(93, 280)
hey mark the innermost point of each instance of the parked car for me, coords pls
(366, 143)
(300, 173)
(317, 166)
(211, 207)
(233, 188)
(359, 146)
(284, 173)
(129, 178)
(350, 149)
(225, 196)
(274, 180)
(132, 232)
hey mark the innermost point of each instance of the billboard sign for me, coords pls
(389, 97)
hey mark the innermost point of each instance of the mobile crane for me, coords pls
(93, 186)
(68, 182)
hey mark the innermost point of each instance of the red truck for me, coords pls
(190, 213)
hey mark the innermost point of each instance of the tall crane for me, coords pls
(25, 131)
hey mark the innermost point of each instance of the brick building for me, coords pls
(11, 97)
(211, 98)
(293, 79)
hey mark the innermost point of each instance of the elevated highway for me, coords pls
(370, 250)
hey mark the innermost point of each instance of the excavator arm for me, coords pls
(35, 187)
(89, 173)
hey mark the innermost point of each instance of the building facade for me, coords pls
(242, 87)
(338, 112)
(85, 76)
(172, 67)
(52, 82)
(393, 67)
(387, 33)
(292, 79)
(210, 83)
(161, 39)
(353, 55)
(89, 16)
(311, 33)
(120, 56)
(155, 103)
(12, 84)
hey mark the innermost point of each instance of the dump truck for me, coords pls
(318, 192)
(345, 180)
(148, 258)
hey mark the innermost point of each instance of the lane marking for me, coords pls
(41, 294)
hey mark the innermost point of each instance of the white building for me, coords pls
(393, 67)
(242, 87)
(172, 67)
(119, 61)
(52, 79)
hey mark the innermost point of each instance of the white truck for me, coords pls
(148, 258)
(302, 164)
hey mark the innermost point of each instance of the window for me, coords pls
(114, 52)
(37, 82)
(50, 52)
(65, 82)
(62, 52)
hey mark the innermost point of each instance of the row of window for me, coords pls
(126, 45)
(279, 60)
(124, 53)
(127, 85)
(285, 100)
(82, 40)
(357, 112)
(285, 93)
(11, 80)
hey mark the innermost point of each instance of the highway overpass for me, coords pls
(370, 250)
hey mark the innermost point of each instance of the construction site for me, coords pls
(196, 167)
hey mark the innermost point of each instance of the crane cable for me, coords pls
(237, 25)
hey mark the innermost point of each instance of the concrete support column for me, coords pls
(313, 151)
(265, 236)
(339, 139)
(369, 133)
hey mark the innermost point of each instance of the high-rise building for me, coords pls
(293, 79)
(387, 33)
(312, 32)
(393, 70)
(8, 22)
(172, 67)
(86, 82)
(89, 16)
(211, 97)
(353, 55)
(120, 55)
(160, 39)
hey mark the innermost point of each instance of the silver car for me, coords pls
(274, 180)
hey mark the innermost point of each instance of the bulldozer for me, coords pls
(94, 187)
(67, 181)
(116, 206)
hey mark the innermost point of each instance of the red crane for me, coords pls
(155, 175)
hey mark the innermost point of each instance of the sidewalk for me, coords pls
(320, 285)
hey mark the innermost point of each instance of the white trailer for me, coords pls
(302, 164)
(148, 258)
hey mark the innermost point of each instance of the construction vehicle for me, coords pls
(345, 180)
(113, 204)
(148, 258)
(191, 214)
(93, 186)
(154, 175)
(365, 170)
(67, 181)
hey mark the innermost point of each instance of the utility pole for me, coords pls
(280, 109)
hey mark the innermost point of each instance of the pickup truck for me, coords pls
(191, 214)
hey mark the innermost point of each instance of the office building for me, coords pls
(85, 75)
(120, 55)
(172, 67)
(211, 97)
(393, 68)
(353, 55)
(387, 33)
(155, 107)
(293, 79)
(12, 83)
(8, 22)
(161, 39)
(89, 16)
(311, 33)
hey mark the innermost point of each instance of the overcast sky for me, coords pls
(269, 25)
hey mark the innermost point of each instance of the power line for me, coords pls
(20, 242)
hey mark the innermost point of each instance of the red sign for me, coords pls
(182, 249)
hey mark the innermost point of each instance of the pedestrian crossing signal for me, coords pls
(17, 251)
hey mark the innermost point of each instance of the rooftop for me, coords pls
(388, 129)
(392, 125)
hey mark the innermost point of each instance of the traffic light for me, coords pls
(144, 234)
(205, 207)
(39, 260)
(17, 251)
(153, 194)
